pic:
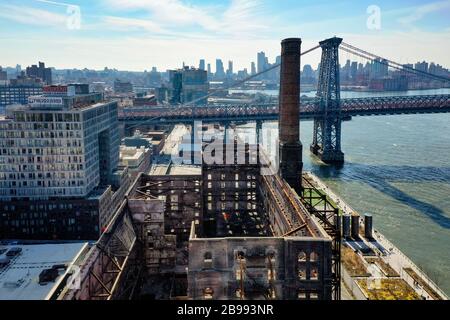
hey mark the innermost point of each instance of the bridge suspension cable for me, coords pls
(395, 65)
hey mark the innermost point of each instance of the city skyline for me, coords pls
(152, 33)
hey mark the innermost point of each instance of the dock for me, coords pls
(375, 269)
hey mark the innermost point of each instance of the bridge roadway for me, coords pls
(309, 109)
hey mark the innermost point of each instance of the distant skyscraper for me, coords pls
(201, 65)
(354, 69)
(421, 66)
(188, 84)
(220, 73)
(209, 69)
(262, 61)
(40, 72)
(3, 75)
(230, 69)
(278, 60)
(253, 69)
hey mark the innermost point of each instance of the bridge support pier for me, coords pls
(327, 128)
(327, 141)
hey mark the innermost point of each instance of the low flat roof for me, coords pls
(183, 170)
(19, 280)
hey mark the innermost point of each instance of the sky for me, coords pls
(136, 35)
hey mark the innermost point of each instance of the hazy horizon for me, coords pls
(136, 35)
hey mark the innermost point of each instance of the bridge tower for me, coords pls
(327, 128)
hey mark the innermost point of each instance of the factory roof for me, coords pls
(20, 277)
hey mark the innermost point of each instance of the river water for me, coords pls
(398, 169)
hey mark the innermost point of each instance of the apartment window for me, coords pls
(313, 256)
(270, 274)
(239, 293)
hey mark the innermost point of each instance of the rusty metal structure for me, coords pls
(107, 273)
(328, 216)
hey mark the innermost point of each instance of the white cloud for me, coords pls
(241, 17)
(127, 24)
(421, 11)
(168, 11)
(31, 16)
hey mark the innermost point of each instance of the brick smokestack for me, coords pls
(290, 151)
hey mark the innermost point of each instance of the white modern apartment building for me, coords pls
(62, 144)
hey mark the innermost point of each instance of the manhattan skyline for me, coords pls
(135, 35)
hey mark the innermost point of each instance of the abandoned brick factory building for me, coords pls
(230, 229)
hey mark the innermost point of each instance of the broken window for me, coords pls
(208, 293)
(302, 256)
(314, 273)
(270, 274)
(314, 296)
(207, 260)
(302, 272)
(272, 293)
(271, 257)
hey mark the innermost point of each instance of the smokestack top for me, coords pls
(291, 40)
(291, 46)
